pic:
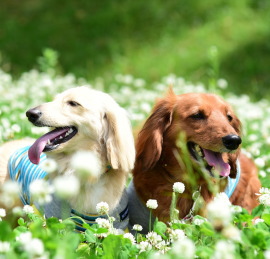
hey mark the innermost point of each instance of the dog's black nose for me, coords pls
(33, 114)
(231, 141)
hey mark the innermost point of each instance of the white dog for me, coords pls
(83, 120)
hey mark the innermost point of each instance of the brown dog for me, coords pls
(212, 136)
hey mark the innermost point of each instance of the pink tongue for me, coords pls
(215, 159)
(39, 145)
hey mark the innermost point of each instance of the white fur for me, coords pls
(103, 128)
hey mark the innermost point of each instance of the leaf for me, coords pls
(5, 231)
(256, 212)
(90, 237)
(266, 218)
(21, 222)
(160, 228)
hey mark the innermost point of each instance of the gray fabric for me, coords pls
(138, 212)
(61, 209)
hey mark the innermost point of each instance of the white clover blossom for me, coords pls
(66, 186)
(28, 209)
(35, 247)
(184, 247)
(104, 223)
(162, 246)
(231, 232)
(214, 215)
(144, 246)
(87, 165)
(257, 221)
(267, 254)
(222, 197)
(178, 187)
(41, 191)
(2, 212)
(198, 221)
(102, 208)
(24, 237)
(222, 83)
(264, 199)
(130, 237)
(236, 209)
(259, 162)
(152, 204)
(177, 234)
(17, 211)
(264, 190)
(10, 193)
(4, 247)
(223, 250)
(49, 166)
(137, 227)
(153, 238)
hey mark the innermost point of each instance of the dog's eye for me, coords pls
(198, 116)
(230, 118)
(73, 103)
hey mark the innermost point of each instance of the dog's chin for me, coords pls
(202, 157)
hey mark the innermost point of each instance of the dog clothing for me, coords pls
(24, 172)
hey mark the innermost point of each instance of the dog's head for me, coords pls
(212, 131)
(84, 119)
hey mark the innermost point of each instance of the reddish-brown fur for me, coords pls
(157, 168)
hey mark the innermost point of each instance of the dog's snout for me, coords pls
(33, 114)
(231, 141)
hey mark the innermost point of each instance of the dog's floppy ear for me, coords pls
(150, 139)
(119, 140)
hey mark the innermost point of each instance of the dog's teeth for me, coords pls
(198, 150)
(48, 142)
(60, 137)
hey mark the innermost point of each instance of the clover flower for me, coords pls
(231, 232)
(219, 212)
(49, 166)
(264, 196)
(144, 246)
(153, 238)
(224, 250)
(66, 186)
(130, 237)
(137, 227)
(2, 213)
(4, 247)
(28, 209)
(102, 208)
(87, 165)
(176, 234)
(104, 223)
(184, 247)
(152, 204)
(178, 187)
(41, 191)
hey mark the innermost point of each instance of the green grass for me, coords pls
(146, 39)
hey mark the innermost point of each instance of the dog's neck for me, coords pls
(104, 188)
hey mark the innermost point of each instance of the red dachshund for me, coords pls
(212, 136)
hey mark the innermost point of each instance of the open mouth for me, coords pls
(214, 162)
(50, 141)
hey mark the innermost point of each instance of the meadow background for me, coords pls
(133, 50)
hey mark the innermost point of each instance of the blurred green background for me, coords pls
(148, 39)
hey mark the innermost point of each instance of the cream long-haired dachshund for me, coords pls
(82, 119)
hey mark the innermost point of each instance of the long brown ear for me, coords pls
(150, 139)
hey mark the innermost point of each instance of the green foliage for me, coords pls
(148, 39)
(246, 236)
